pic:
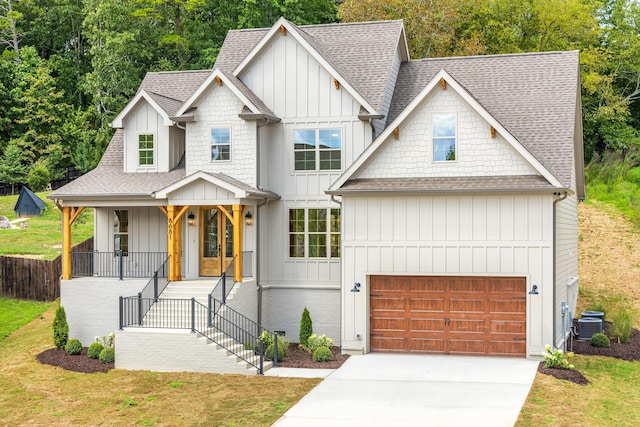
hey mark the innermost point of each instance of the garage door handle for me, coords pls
(375, 295)
(376, 335)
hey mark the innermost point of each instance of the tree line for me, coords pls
(67, 67)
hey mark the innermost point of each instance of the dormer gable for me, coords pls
(154, 100)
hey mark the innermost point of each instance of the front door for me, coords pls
(216, 241)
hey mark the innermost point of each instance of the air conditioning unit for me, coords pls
(587, 326)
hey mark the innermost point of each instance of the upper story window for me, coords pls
(314, 233)
(121, 231)
(220, 144)
(444, 137)
(317, 149)
(145, 150)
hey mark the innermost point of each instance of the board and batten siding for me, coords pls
(147, 229)
(458, 235)
(145, 120)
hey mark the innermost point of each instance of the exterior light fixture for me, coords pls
(248, 218)
(191, 219)
(534, 290)
(356, 287)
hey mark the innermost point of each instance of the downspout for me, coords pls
(554, 252)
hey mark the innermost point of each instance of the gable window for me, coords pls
(444, 137)
(145, 150)
(220, 144)
(317, 149)
(314, 233)
(121, 231)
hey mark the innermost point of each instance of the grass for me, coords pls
(42, 394)
(16, 313)
(43, 236)
(612, 398)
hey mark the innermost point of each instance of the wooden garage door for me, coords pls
(448, 315)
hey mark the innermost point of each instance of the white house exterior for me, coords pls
(413, 206)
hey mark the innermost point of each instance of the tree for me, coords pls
(9, 33)
(306, 327)
(14, 166)
(60, 328)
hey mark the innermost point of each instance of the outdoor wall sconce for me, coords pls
(191, 219)
(534, 290)
(356, 287)
(248, 218)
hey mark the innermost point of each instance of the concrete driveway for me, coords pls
(417, 390)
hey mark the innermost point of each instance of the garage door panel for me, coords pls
(461, 315)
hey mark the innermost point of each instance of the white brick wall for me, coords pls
(220, 108)
(477, 153)
(91, 305)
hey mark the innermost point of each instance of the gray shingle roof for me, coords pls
(532, 95)
(252, 191)
(361, 52)
(448, 185)
(249, 94)
(177, 85)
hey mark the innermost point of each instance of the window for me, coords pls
(121, 231)
(317, 149)
(220, 144)
(314, 233)
(145, 150)
(444, 137)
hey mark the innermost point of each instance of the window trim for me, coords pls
(455, 138)
(328, 233)
(229, 144)
(317, 151)
(152, 150)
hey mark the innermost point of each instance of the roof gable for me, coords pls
(237, 188)
(143, 96)
(440, 80)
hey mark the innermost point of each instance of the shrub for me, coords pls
(600, 340)
(73, 347)
(633, 175)
(270, 350)
(107, 355)
(315, 342)
(94, 350)
(60, 329)
(556, 358)
(267, 339)
(322, 354)
(306, 327)
(621, 327)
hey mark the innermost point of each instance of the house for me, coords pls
(29, 204)
(422, 206)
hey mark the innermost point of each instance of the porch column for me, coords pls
(69, 215)
(174, 243)
(237, 240)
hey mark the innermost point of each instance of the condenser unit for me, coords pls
(587, 326)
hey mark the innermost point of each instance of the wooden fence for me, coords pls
(33, 279)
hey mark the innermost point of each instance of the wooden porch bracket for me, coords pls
(69, 215)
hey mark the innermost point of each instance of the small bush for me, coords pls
(107, 355)
(306, 327)
(73, 347)
(60, 328)
(268, 353)
(94, 350)
(621, 327)
(322, 354)
(556, 358)
(315, 342)
(267, 339)
(600, 340)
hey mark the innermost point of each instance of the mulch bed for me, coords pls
(77, 363)
(299, 358)
(629, 351)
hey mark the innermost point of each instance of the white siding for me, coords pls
(484, 235)
(147, 229)
(478, 154)
(145, 120)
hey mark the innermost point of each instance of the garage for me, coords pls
(482, 316)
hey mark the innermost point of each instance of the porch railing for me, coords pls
(225, 284)
(116, 264)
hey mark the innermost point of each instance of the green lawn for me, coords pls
(17, 313)
(43, 236)
(32, 393)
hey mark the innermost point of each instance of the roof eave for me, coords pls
(395, 191)
(259, 116)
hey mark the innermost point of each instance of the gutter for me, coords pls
(560, 197)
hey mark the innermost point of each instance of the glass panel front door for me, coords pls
(216, 241)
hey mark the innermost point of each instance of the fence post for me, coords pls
(209, 322)
(261, 350)
(224, 287)
(193, 315)
(275, 350)
(120, 310)
(120, 263)
(139, 308)
(155, 286)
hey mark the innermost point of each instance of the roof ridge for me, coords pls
(498, 55)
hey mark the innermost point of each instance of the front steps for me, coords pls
(178, 350)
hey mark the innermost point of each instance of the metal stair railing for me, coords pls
(145, 298)
(221, 291)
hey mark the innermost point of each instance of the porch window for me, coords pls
(121, 231)
(145, 150)
(444, 137)
(314, 233)
(317, 149)
(220, 144)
